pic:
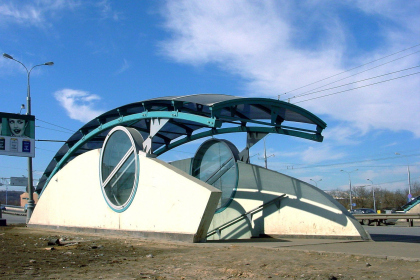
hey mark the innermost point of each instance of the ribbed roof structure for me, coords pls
(189, 118)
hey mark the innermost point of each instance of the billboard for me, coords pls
(19, 181)
(17, 135)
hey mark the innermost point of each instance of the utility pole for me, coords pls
(265, 154)
(409, 179)
(373, 191)
(351, 195)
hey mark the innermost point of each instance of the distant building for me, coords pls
(24, 198)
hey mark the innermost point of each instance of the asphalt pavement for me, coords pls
(388, 242)
(13, 219)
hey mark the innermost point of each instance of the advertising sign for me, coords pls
(19, 181)
(17, 135)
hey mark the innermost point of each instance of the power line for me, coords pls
(352, 69)
(46, 140)
(309, 93)
(357, 88)
(55, 125)
(352, 162)
(53, 129)
(360, 72)
(45, 150)
(13, 167)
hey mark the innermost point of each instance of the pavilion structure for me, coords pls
(108, 177)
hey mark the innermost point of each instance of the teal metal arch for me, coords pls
(182, 118)
(248, 129)
(275, 105)
(211, 122)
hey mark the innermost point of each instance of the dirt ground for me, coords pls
(25, 253)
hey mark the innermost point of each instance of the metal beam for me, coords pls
(156, 124)
(251, 139)
(209, 122)
(269, 102)
(215, 131)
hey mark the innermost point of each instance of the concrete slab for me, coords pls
(388, 242)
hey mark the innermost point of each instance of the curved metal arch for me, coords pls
(274, 104)
(210, 122)
(248, 129)
(184, 115)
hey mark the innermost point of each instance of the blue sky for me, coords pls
(361, 58)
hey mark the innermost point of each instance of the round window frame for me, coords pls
(136, 140)
(235, 152)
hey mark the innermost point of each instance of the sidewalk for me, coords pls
(389, 244)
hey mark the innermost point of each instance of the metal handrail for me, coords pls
(246, 215)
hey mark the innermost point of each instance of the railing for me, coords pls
(380, 218)
(14, 210)
(246, 215)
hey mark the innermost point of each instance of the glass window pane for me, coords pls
(115, 149)
(215, 164)
(119, 188)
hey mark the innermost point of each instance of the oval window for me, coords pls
(119, 166)
(215, 164)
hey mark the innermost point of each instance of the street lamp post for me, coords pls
(351, 199)
(316, 182)
(30, 187)
(409, 180)
(373, 192)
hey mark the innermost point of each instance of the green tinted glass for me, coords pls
(215, 164)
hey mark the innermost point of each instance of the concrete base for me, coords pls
(321, 237)
(305, 212)
(141, 234)
(168, 203)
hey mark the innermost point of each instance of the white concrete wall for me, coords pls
(307, 211)
(168, 202)
(415, 209)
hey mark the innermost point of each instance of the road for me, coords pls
(14, 219)
(394, 233)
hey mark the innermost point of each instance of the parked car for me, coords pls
(364, 211)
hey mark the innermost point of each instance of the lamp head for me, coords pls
(5, 55)
(49, 63)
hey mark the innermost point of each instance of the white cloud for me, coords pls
(278, 46)
(107, 11)
(78, 104)
(342, 134)
(319, 154)
(33, 13)
(124, 67)
(28, 14)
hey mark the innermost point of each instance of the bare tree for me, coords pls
(385, 199)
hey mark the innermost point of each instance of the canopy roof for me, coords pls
(187, 118)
